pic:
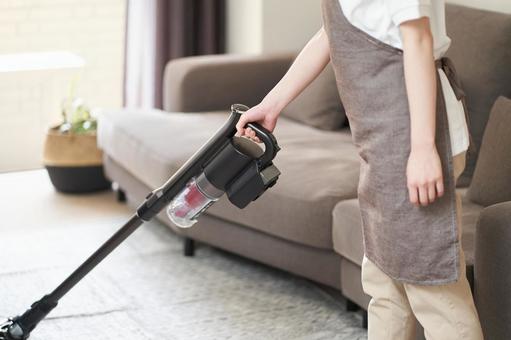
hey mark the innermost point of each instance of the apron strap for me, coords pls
(447, 66)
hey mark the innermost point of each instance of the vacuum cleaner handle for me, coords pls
(269, 140)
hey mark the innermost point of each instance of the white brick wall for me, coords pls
(29, 101)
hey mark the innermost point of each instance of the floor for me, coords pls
(146, 289)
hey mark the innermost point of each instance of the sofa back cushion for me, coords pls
(481, 52)
(319, 104)
(492, 176)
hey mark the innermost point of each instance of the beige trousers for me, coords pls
(446, 312)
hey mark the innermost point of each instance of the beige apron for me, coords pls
(411, 244)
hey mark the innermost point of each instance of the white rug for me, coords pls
(146, 289)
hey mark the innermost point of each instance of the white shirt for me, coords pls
(381, 19)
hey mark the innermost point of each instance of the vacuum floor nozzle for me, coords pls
(9, 331)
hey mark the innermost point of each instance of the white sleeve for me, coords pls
(403, 10)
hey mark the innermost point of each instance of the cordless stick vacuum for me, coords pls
(224, 164)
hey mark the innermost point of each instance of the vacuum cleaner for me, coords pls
(224, 164)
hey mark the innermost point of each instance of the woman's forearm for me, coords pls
(424, 168)
(311, 60)
(420, 79)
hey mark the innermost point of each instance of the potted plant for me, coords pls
(71, 156)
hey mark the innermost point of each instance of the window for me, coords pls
(46, 47)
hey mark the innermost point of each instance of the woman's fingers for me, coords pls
(245, 118)
(423, 195)
(252, 135)
(431, 192)
(414, 196)
(240, 125)
(440, 187)
(426, 194)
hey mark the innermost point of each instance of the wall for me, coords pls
(491, 5)
(256, 26)
(260, 26)
(30, 100)
(289, 24)
(244, 19)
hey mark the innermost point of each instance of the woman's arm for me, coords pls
(424, 172)
(309, 63)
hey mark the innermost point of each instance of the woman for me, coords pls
(409, 125)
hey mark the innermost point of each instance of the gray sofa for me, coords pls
(309, 223)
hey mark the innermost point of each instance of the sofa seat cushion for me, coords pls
(153, 144)
(319, 168)
(347, 228)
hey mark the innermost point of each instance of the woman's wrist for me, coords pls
(422, 133)
(423, 145)
(272, 105)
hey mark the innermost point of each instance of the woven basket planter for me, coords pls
(74, 162)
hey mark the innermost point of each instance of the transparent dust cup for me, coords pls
(186, 207)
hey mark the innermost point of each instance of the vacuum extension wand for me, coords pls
(225, 163)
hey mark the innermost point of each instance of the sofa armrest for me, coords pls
(492, 270)
(214, 82)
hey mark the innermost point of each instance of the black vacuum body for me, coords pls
(240, 168)
(226, 163)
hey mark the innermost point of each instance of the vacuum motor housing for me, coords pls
(240, 168)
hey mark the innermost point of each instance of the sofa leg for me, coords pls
(364, 319)
(121, 196)
(351, 306)
(189, 246)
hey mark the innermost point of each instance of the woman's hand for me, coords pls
(263, 114)
(424, 175)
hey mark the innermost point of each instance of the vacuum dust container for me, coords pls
(206, 188)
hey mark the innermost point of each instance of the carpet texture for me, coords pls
(146, 289)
